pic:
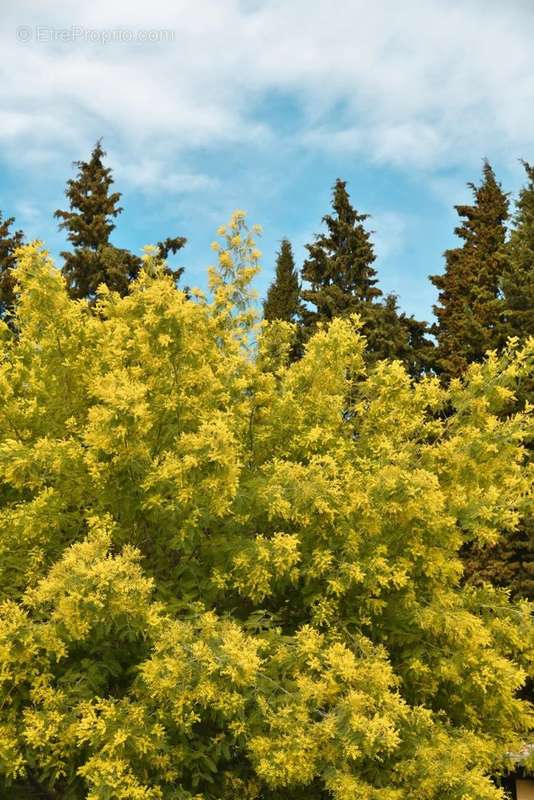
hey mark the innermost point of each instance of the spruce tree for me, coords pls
(89, 224)
(510, 563)
(343, 280)
(486, 295)
(283, 295)
(469, 304)
(518, 276)
(339, 266)
(9, 241)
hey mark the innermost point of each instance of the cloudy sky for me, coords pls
(210, 105)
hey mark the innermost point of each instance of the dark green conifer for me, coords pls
(283, 295)
(339, 267)
(469, 303)
(89, 224)
(342, 280)
(517, 283)
(9, 241)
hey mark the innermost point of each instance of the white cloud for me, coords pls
(390, 230)
(418, 84)
(153, 177)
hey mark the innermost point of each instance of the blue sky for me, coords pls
(261, 106)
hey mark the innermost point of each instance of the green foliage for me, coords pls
(486, 296)
(226, 575)
(283, 300)
(343, 282)
(283, 296)
(9, 242)
(89, 224)
(339, 265)
(518, 277)
(469, 304)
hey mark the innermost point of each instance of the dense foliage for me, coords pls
(340, 280)
(469, 308)
(89, 222)
(517, 282)
(226, 575)
(9, 241)
(283, 296)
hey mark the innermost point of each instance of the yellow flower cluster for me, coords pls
(226, 575)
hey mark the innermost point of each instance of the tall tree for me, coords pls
(9, 241)
(510, 562)
(89, 224)
(487, 295)
(518, 277)
(343, 280)
(339, 266)
(469, 304)
(283, 296)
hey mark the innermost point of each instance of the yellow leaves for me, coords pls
(90, 590)
(300, 526)
(201, 472)
(263, 563)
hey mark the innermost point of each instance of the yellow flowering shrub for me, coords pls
(226, 575)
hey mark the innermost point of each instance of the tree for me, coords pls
(469, 303)
(343, 281)
(339, 266)
(9, 242)
(518, 276)
(283, 296)
(226, 575)
(89, 224)
(509, 562)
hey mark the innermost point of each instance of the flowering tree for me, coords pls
(224, 574)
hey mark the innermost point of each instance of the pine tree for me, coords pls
(339, 266)
(89, 224)
(9, 241)
(469, 303)
(518, 277)
(343, 281)
(283, 296)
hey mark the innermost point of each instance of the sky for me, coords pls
(211, 105)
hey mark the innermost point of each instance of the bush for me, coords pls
(226, 575)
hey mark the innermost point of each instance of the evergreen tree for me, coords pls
(469, 304)
(510, 562)
(89, 224)
(283, 296)
(342, 279)
(9, 241)
(518, 277)
(339, 266)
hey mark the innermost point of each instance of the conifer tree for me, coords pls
(518, 277)
(339, 266)
(469, 303)
(343, 281)
(510, 562)
(89, 224)
(283, 296)
(9, 241)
